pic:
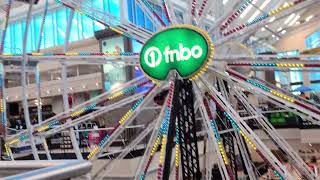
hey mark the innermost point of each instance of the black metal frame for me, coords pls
(183, 111)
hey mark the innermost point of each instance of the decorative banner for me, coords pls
(184, 48)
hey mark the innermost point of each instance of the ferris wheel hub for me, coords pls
(185, 49)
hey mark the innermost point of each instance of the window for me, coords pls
(114, 7)
(137, 16)
(37, 27)
(313, 41)
(18, 35)
(49, 31)
(61, 21)
(7, 44)
(56, 24)
(87, 32)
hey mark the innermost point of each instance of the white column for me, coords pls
(65, 89)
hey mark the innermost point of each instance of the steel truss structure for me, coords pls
(212, 99)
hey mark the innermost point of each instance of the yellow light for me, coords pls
(13, 141)
(36, 54)
(7, 54)
(116, 30)
(72, 54)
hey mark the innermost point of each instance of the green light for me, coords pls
(184, 48)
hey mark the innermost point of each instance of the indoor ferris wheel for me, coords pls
(204, 77)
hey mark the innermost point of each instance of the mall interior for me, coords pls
(160, 89)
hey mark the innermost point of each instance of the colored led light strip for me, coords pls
(279, 65)
(3, 119)
(159, 139)
(276, 93)
(177, 151)
(203, 5)
(24, 137)
(164, 130)
(101, 22)
(234, 124)
(3, 123)
(278, 175)
(83, 110)
(235, 14)
(216, 134)
(127, 115)
(166, 11)
(193, 7)
(154, 12)
(263, 17)
(77, 54)
(219, 142)
(282, 96)
(258, 85)
(8, 150)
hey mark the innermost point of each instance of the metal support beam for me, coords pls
(276, 137)
(74, 142)
(183, 106)
(225, 175)
(24, 85)
(260, 146)
(133, 115)
(108, 167)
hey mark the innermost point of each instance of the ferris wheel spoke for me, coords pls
(276, 96)
(274, 135)
(125, 58)
(84, 107)
(272, 86)
(103, 172)
(223, 17)
(124, 121)
(234, 15)
(266, 60)
(278, 65)
(203, 8)
(241, 144)
(282, 14)
(57, 129)
(278, 140)
(263, 17)
(153, 13)
(242, 128)
(277, 102)
(153, 143)
(214, 137)
(280, 96)
(170, 9)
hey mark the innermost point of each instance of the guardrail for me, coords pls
(66, 170)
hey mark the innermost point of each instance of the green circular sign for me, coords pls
(185, 49)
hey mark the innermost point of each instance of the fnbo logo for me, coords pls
(182, 48)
